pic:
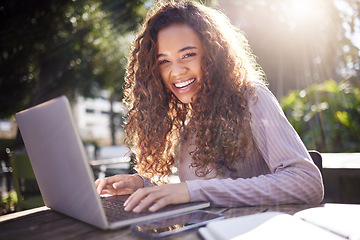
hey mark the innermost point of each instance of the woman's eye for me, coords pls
(163, 61)
(189, 55)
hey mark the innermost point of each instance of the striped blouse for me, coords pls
(279, 172)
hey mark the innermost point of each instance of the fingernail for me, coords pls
(136, 209)
(153, 208)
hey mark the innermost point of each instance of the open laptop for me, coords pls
(63, 172)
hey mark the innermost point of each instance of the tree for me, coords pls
(63, 47)
(50, 48)
(25, 28)
(298, 43)
(349, 12)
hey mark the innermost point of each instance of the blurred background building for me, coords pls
(92, 116)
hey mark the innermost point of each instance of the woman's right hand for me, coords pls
(121, 184)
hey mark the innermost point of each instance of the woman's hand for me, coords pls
(122, 184)
(157, 197)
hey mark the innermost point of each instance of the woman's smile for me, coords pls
(185, 84)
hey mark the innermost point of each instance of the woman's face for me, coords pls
(179, 56)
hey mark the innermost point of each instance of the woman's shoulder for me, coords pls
(260, 95)
(256, 89)
(260, 86)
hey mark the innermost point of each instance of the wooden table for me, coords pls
(44, 223)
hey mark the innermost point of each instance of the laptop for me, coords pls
(63, 172)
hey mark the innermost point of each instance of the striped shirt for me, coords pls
(279, 172)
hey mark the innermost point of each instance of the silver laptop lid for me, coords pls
(59, 162)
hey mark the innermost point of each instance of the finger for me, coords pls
(129, 199)
(138, 200)
(162, 202)
(121, 188)
(145, 203)
(121, 184)
(150, 196)
(137, 196)
(106, 183)
(97, 182)
(99, 185)
(103, 185)
(132, 201)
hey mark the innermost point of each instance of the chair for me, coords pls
(316, 157)
(25, 184)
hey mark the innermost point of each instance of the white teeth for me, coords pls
(184, 84)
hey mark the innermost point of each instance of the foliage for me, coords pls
(326, 115)
(7, 205)
(50, 48)
(299, 43)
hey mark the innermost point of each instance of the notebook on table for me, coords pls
(330, 222)
(63, 172)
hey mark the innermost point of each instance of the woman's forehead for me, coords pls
(177, 37)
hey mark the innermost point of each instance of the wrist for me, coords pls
(139, 180)
(146, 182)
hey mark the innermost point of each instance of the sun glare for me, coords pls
(301, 13)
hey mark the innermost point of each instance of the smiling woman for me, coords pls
(195, 91)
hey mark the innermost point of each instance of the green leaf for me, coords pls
(344, 118)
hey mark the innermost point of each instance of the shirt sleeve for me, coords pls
(147, 182)
(294, 178)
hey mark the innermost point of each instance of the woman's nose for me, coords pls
(178, 69)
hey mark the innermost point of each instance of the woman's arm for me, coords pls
(293, 179)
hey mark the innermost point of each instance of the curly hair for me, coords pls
(219, 118)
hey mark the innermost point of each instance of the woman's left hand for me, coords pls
(157, 197)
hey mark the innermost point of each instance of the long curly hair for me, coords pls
(218, 121)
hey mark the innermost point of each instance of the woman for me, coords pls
(193, 82)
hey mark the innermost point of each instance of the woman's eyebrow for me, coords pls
(160, 55)
(187, 48)
(181, 50)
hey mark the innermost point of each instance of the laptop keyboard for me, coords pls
(114, 209)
